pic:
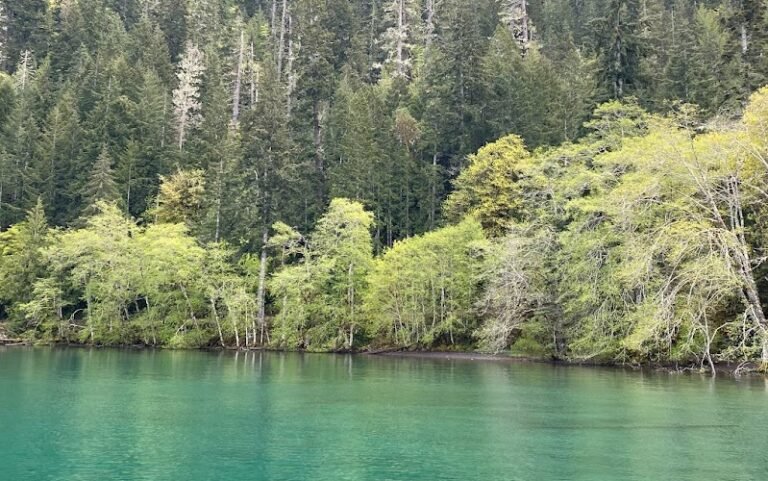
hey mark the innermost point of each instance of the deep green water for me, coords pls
(77, 414)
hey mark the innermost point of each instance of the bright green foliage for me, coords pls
(491, 186)
(231, 304)
(422, 290)
(112, 282)
(100, 262)
(180, 198)
(21, 259)
(171, 307)
(320, 298)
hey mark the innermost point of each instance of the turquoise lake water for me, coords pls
(87, 414)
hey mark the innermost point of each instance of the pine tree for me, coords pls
(218, 149)
(110, 100)
(148, 49)
(747, 22)
(450, 90)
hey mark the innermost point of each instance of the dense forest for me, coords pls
(578, 179)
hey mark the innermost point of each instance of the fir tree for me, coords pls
(101, 185)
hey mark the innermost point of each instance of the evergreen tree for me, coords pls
(23, 29)
(273, 179)
(101, 185)
(56, 158)
(20, 139)
(619, 46)
(714, 80)
(150, 146)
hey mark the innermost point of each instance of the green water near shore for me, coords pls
(86, 414)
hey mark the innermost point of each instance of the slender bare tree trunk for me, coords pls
(351, 301)
(429, 22)
(238, 80)
(237, 331)
(218, 322)
(274, 17)
(290, 78)
(524, 29)
(165, 113)
(253, 328)
(89, 306)
(319, 111)
(281, 43)
(401, 27)
(151, 321)
(261, 290)
(254, 78)
(219, 193)
(189, 306)
(128, 188)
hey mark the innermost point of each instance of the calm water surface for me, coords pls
(77, 414)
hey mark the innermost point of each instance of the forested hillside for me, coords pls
(570, 178)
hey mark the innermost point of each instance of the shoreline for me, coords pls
(730, 369)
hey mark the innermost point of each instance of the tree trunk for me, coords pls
(318, 111)
(429, 22)
(238, 80)
(764, 357)
(219, 194)
(89, 305)
(261, 290)
(151, 323)
(290, 79)
(401, 26)
(189, 306)
(253, 327)
(273, 18)
(237, 332)
(218, 322)
(744, 39)
(351, 302)
(281, 43)
(254, 78)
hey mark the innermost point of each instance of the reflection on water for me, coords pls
(88, 414)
